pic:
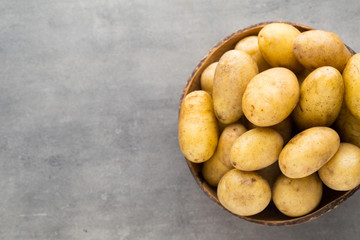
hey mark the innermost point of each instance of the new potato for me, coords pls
(233, 73)
(321, 97)
(351, 77)
(219, 163)
(348, 126)
(270, 97)
(256, 149)
(207, 78)
(198, 130)
(318, 48)
(308, 151)
(243, 193)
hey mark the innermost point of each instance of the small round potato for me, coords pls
(342, 171)
(243, 193)
(250, 46)
(284, 128)
(275, 43)
(270, 97)
(207, 78)
(308, 151)
(233, 73)
(198, 129)
(348, 126)
(351, 77)
(256, 149)
(318, 48)
(321, 97)
(297, 197)
(213, 170)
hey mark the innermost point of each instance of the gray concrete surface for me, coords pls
(89, 93)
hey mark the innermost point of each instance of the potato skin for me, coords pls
(219, 163)
(297, 197)
(348, 126)
(321, 97)
(351, 75)
(270, 173)
(243, 193)
(275, 43)
(308, 151)
(198, 130)
(342, 171)
(256, 149)
(207, 78)
(250, 46)
(233, 72)
(318, 48)
(270, 97)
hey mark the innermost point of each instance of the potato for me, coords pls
(256, 149)
(243, 193)
(250, 46)
(275, 43)
(270, 173)
(318, 48)
(284, 128)
(219, 163)
(207, 78)
(321, 97)
(308, 151)
(297, 197)
(342, 171)
(198, 130)
(351, 77)
(348, 126)
(233, 72)
(270, 97)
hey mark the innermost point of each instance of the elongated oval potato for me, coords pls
(284, 128)
(318, 48)
(219, 163)
(250, 46)
(342, 171)
(308, 151)
(243, 193)
(256, 149)
(275, 43)
(207, 78)
(321, 97)
(351, 77)
(198, 130)
(233, 72)
(297, 197)
(270, 97)
(348, 126)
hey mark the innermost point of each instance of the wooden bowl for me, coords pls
(270, 216)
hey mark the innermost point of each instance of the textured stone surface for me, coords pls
(89, 93)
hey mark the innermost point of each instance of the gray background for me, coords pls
(89, 94)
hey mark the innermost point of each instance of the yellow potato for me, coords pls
(297, 197)
(351, 77)
(348, 126)
(318, 48)
(256, 149)
(250, 46)
(275, 43)
(284, 128)
(243, 193)
(207, 78)
(198, 130)
(270, 173)
(321, 97)
(270, 97)
(342, 171)
(233, 72)
(308, 151)
(219, 163)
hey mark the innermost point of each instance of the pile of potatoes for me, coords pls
(277, 117)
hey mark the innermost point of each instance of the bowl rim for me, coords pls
(287, 222)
